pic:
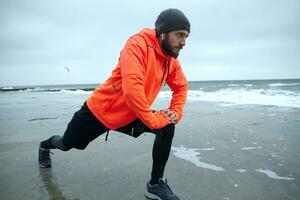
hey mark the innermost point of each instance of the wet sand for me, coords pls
(225, 153)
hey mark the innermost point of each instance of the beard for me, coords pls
(168, 49)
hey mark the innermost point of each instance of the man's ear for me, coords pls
(163, 36)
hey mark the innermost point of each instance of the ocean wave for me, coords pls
(7, 88)
(40, 89)
(269, 97)
(243, 95)
(75, 91)
(283, 84)
(28, 89)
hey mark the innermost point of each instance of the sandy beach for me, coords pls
(218, 153)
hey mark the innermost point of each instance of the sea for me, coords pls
(277, 92)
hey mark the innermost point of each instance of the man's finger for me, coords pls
(171, 115)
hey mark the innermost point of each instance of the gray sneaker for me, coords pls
(44, 157)
(160, 191)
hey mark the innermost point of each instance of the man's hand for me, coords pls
(171, 114)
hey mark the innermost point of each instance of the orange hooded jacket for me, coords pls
(135, 83)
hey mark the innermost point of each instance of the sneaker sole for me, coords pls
(152, 196)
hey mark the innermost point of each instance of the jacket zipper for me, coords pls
(167, 65)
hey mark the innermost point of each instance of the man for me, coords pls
(123, 102)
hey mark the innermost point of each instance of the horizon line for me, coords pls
(208, 80)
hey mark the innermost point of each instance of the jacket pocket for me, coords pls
(108, 96)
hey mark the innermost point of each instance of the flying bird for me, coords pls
(67, 69)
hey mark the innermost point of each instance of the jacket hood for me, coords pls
(150, 36)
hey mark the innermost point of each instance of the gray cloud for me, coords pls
(229, 39)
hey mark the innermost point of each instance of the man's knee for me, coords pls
(57, 141)
(165, 133)
(169, 127)
(169, 130)
(64, 148)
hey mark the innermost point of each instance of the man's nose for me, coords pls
(182, 42)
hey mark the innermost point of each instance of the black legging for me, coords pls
(161, 151)
(84, 127)
(161, 147)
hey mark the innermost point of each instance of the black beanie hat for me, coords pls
(171, 20)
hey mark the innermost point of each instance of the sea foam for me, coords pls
(192, 156)
(267, 97)
(273, 175)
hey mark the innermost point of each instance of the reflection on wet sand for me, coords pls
(52, 188)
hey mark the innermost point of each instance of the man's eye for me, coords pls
(179, 35)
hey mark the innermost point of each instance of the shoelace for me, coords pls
(106, 137)
(166, 188)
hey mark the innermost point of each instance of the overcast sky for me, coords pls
(232, 39)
